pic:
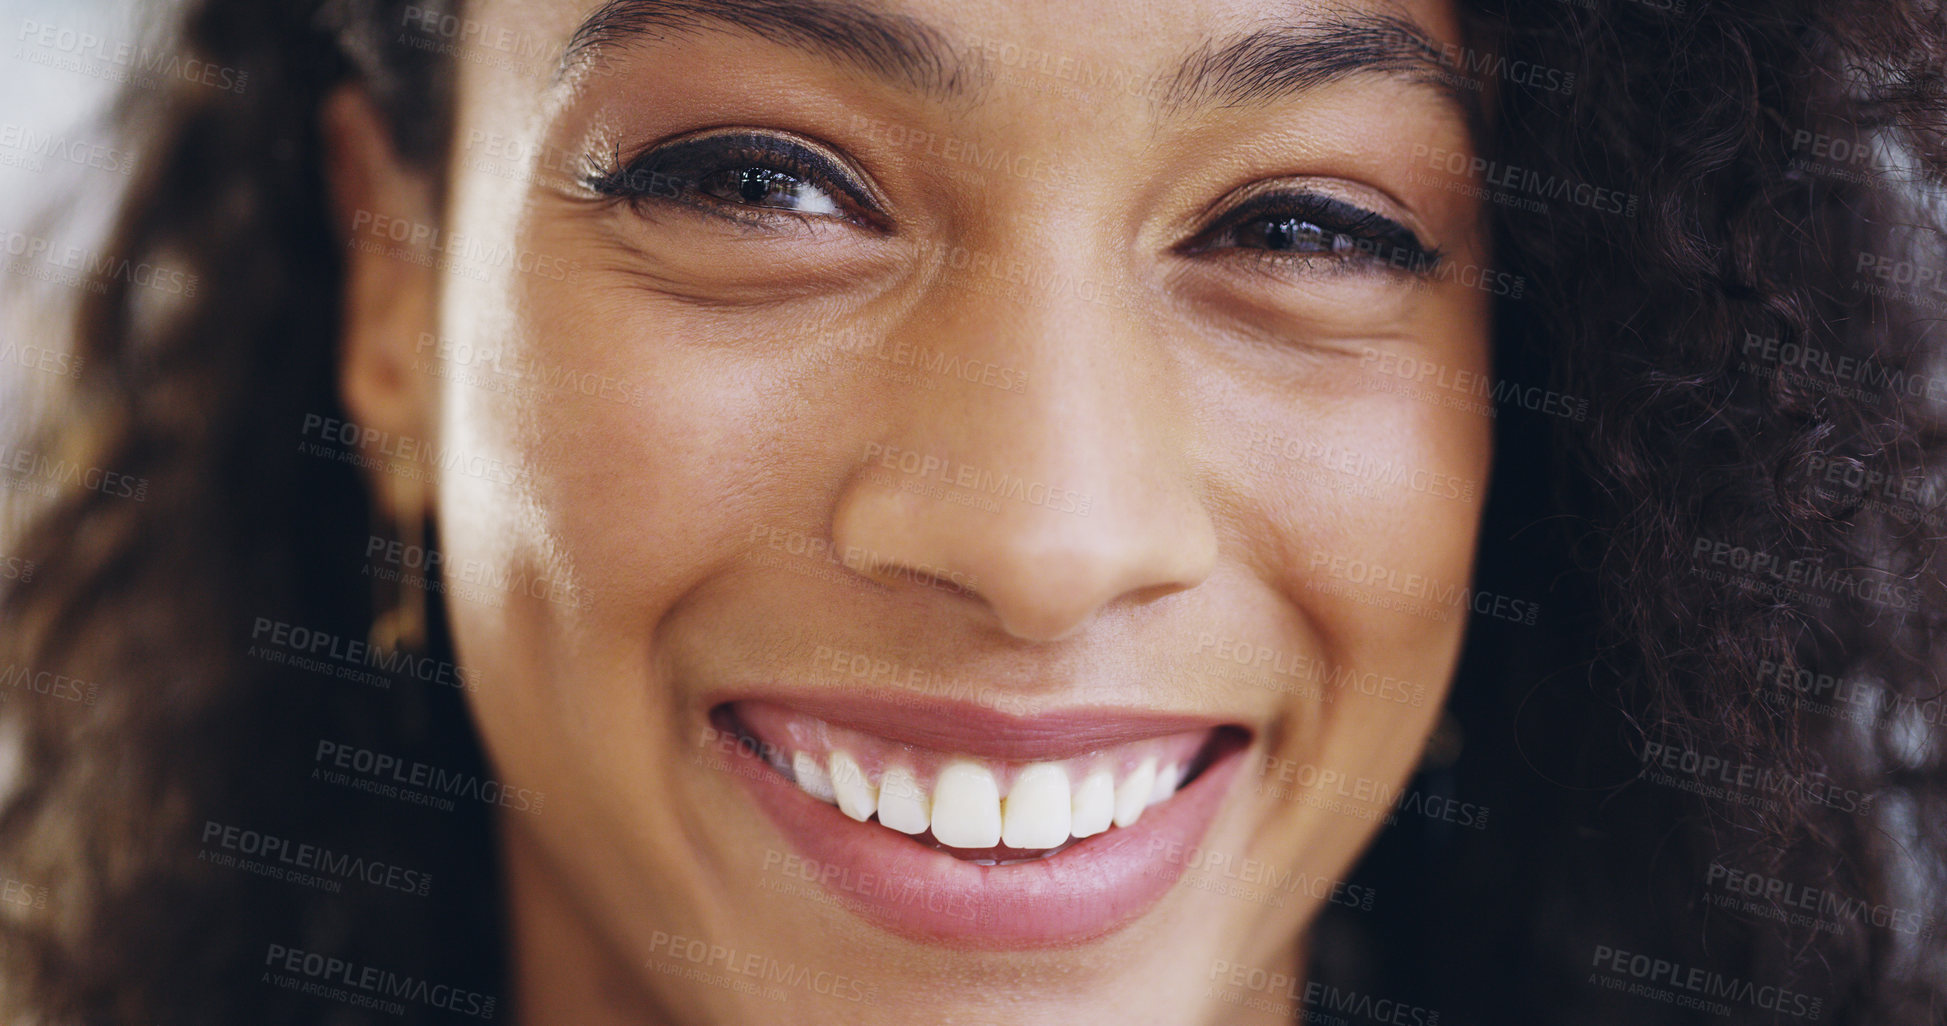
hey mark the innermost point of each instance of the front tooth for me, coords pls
(902, 803)
(1094, 806)
(1132, 795)
(812, 778)
(1038, 808)
(856, 797)
(966, 807)
(1165, 785)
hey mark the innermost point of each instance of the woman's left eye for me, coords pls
(746, 176)
(1306, 226)
(760, 186)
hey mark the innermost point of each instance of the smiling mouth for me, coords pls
(982, 810)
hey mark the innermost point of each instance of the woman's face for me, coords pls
(977, 413)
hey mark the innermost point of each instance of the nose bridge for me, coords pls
(1045, 471)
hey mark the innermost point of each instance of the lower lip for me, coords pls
(1092, 888)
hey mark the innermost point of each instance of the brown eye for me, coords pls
(760, 186)
(741, 174)
(1291, 234)
(1308, 224)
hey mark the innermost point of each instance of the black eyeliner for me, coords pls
(1378, 238)
(673, 171)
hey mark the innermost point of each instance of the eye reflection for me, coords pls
(1289, 234)
(760, 186)
(744, 175)
(1300, 226)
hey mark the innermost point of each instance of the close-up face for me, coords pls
(992, 565)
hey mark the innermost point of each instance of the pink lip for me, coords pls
(970, 729)
(1094, 887)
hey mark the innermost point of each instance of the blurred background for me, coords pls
(61, 62)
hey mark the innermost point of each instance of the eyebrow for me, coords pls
(1257, 68)
(1273, 63)
(894, 47)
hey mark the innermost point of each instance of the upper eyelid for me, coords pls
(856, 186)
(1228, 217)
(1334, 189)
(814, 157)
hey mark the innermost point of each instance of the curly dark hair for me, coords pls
(1741, 530)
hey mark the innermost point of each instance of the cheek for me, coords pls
(1366, 509)
(1360, 499)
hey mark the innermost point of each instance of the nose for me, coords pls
(1047, 473)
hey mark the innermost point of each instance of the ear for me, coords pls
(390, 290)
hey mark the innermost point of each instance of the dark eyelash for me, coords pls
(1376, 239)
(671, 171)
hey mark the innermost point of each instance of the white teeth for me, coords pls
(966, 807)
(1046, 805)
(1132, 796)
(1038, 808)
(812, 778)
(1094, 806)
(1165, 785)
(856, 797)
(902, 802)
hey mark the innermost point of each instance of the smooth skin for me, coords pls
(1222, 406)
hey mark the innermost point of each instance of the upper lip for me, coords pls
(956, 726)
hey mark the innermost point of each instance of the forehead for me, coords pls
(1180, 53)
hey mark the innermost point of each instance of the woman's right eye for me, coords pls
(747, 176)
